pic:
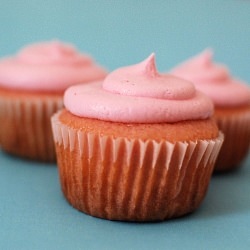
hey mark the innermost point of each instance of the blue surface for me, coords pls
(33, 212)
(35, 215)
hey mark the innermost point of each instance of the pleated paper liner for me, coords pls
(134, 180)
(235, 148)
(25, 127)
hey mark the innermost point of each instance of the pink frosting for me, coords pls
(138, 94)
(48, 66)
(214, 80)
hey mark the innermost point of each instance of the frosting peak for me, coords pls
(51, 53)
(214, 80)
(138, 94)
(143, 80)
(148, 66)
(202, 68)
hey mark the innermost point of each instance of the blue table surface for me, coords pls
(33, 211)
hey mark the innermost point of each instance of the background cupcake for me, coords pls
(31, 90)
(231, 98)
(138, 146)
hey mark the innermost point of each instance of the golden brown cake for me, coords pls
(133, 172)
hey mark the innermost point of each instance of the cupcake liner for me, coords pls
(26, 128)
(131, 179)
(235, 148)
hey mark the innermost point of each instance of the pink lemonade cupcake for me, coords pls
(231, 98)
(138, 146)
(32, 84)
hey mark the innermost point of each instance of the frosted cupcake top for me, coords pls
(138, 94)
(214, 80)
(49, 66)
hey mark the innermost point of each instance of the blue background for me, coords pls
(33, 212)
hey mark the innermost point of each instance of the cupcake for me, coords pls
(231, 98)
(32, 84)
(137, 146)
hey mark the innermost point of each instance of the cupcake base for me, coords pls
(117, 178)
(235, 124)
(25, 128)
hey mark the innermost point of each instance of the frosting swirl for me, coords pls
(214, 80)
(48, 66)
(138, 94)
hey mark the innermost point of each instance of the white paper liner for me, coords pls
(235, 148)
(124, 179)
(25, 128)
